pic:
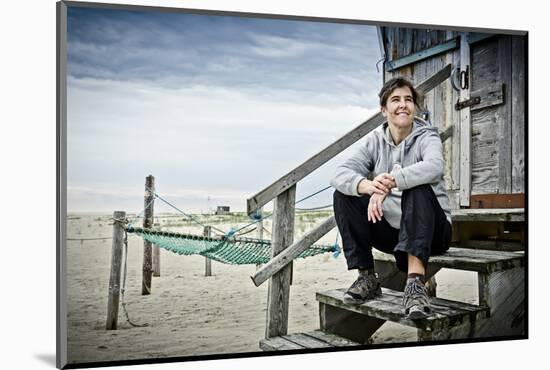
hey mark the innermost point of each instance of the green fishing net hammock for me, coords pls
(229, 250)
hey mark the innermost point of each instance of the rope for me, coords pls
(301, 200)
(246, 232)
(108, 237)
(124, 284)
(233, 231)
(314, 208)
(189, 216)
(147, 206)
(309, 196)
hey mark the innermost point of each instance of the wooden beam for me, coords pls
(260, 231)
(474, 37)
(422, 54)
(505, 122)
(447, 133)
(278, 294)
(116, 269)
(147, 269)
(488, 215)
(291, 178)
(518, 92)
(497, 201)
(290, 253)
(207, 231)
(465, 128)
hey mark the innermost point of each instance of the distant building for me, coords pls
(222, 210)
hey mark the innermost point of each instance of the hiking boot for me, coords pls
(364, 288)
(416, 300)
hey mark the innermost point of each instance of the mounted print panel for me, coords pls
(210, 164)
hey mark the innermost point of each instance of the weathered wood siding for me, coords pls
(497, 142)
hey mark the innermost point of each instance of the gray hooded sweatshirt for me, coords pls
(417, 160)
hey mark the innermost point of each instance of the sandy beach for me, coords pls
(189, 314)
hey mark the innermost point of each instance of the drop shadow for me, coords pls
(47, 358)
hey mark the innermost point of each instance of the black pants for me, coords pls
(424, 229)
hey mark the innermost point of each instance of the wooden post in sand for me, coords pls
(147, 224)
(116, 267)
(207, 262)
(156, 260)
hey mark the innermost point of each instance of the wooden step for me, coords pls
(314, 339)
(485, 261)
(389, 307)
(488, 215)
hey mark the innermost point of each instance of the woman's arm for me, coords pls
(429, 170)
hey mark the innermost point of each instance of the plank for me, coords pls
(147, 267)
(279, 285)
(116, 271)
(465, 129)
(408, 57)
(389, 307)
(494, 245)
(207, 232)
(519, 82)
(490, 96)
(488, 215)
(505, 131)
(297, 341)
(306, 341)
(469, 259)
(293, 251)
(278, 344)
(332, 339)
(498, 201)
(455, 120)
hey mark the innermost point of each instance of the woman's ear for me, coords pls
(384, 111)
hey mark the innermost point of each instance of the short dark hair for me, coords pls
(393, 84)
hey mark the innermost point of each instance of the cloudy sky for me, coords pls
(215, 107)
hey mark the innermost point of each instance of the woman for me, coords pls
(391, 195)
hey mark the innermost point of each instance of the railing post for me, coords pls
(147, 224)
(260, 230)
(116, 267)
(279, 284)
(207, 261)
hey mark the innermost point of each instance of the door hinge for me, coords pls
(467, 103)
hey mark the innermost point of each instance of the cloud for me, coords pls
(211, 105)
(175, 50)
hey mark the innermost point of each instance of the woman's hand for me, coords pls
(381, 184)
(375, 212)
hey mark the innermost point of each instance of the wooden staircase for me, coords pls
(501, 293)
(489, 242)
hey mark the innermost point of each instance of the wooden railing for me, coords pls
(284, 192)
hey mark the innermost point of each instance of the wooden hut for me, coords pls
(473, 87)
(483, 101)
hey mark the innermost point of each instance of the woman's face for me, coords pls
(400, 108)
